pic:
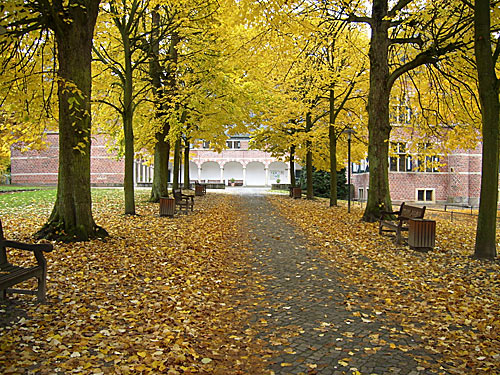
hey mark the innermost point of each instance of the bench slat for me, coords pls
(19, 275)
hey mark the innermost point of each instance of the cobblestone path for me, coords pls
(305, 314)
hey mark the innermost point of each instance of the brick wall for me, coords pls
(458, 181)
(41, 167)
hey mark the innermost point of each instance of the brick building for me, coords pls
(455, 180)
(238, 162)
(40, 167)
(452, 178)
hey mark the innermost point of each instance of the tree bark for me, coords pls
(292, 166)
(332, 136)
(490, 108)
(309, 171)
(186, 165)
(378, 115)
(162, 147)
(71, 218)
(177, 161)
(160, 174)
(128, 129)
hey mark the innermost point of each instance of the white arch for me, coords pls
(233, 169)
(278, 170)
(256, 174)
(210, 170)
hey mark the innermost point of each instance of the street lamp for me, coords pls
(349, 133)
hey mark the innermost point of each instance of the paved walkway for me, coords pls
(306, 318)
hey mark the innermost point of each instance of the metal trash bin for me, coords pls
(167, 206)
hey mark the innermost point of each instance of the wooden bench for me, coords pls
(11, 275)
(184, 201)
(399, 224)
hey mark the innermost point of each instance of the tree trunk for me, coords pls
(490, 109)
(309, 171)
(292, 166)
(128, 180)
(333, 151)
(160, 173)
(186, 165)
(128, 129)
(378, 115)
(177, 160)
(71, 218)
(162, 147)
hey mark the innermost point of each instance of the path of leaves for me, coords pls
(448, 299)
(156, 297)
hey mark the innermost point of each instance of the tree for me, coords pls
(130, 43)
(72, 23)
(401, 40)
(159, 25)
(486, 60)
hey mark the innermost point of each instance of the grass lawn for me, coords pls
(39, 200)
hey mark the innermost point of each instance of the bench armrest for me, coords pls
(47, 247)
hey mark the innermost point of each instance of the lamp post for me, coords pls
(349, 133)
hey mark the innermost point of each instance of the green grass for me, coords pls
(27, 200)
(42, 201)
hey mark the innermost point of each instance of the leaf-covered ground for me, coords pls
(444, 296)
(159, 296)
(172, 296)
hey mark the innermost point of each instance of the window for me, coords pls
(361, 167)
(361, 194)
(425, 195)
(401, 161)
(233, 144)
(400, 114)
(424, 162)
(206, 144)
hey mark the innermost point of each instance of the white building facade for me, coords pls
(237, 165)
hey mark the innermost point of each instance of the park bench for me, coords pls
(397, 221)
(184, 201)
(11, 275)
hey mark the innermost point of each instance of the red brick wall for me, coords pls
(459, 180)
(41, 167)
